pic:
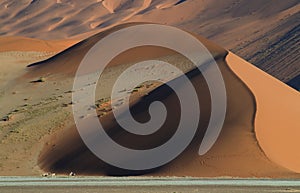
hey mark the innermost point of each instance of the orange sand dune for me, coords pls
(251, 143)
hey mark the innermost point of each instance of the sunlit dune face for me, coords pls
(277, 124)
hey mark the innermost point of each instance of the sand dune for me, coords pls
(244, 149)
(253, 30)
(259, 137)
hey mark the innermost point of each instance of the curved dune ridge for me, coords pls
(259, 137)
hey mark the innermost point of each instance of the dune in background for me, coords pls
(265, 33)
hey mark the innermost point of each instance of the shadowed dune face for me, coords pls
(252, 29)
(236, 152)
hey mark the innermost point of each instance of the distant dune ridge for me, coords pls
(256, 30)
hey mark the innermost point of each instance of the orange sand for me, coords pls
(277, 124)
